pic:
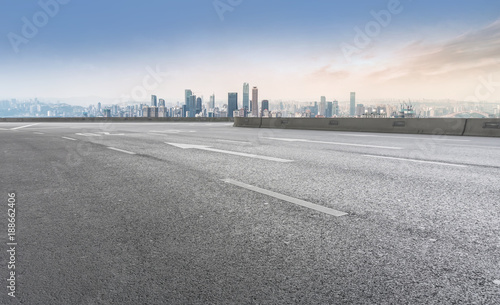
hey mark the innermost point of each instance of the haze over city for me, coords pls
(92, 51)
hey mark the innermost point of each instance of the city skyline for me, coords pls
(300, 50)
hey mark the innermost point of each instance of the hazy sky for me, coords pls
(290, 50)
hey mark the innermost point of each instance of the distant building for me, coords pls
(232, 103)
(360, 110)
(198, 105)
(255, 102)
(322, 106)
(329, 110)
(352, 109)
(246, 96)
(192, 106)
(211, 105)
(161, 102)
(335, 108)
(265, 106)
(153, 101)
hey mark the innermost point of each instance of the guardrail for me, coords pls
(435, 126)
(102, 119)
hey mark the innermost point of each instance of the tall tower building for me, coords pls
(265, 106)
(322, 106)
(255, 102)
(232, 103)
(153, 101)
(192, 106)
(187, 94)
(246, 96)
(198, 105)
(212, 102)
(161, 102)
(352, 109)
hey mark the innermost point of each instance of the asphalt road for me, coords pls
(205, 213)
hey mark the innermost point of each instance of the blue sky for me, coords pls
(291, 50)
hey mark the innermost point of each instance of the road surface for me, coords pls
(206, 213)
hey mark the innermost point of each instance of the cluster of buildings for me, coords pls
(251, 106)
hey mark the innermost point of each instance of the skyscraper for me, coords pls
(232, 103)
(352, 109)
(198, 105)
(192, 106)
(246, 95)
(212, 102)
(335, 109)
(153, 101)
(329, 109)
(265, 106)
(161, 102)
(187, 95)
(255, 102)
(322, 106)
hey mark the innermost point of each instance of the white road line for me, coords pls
(415, 160)
(19, 127)
(231, 141)
(36, 132)
(335, 143)
(399, 137)
(474, 146)
(123, 151)
(207, 148)
(69, 138)
(300, 202)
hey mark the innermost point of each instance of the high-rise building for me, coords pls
(329, 109)
(335, 108)
(322, 106)
(255, 102)
(352, 109)
(246, 96)
(265, 106)
(232, 103)
(187, 96)
(360, 110)
(192, 106)
(153, 101)
(198, 105)
(161, 102)
(212, 102)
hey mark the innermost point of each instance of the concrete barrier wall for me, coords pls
(482, 127)
(438, 126)
(82, 119)
(247, 122)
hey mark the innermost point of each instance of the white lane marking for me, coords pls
(207, 148)
(88, 134)
(36, 132)
(171, 131)
(335, 143)
(399, 137)
(123, 151)
(69, 138)
(415, 160)
(474, 146)
(300, 202)
(231, 141)
(111, 134)
(19, 127)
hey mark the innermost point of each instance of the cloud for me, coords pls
(472, 52)
(326, 73)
